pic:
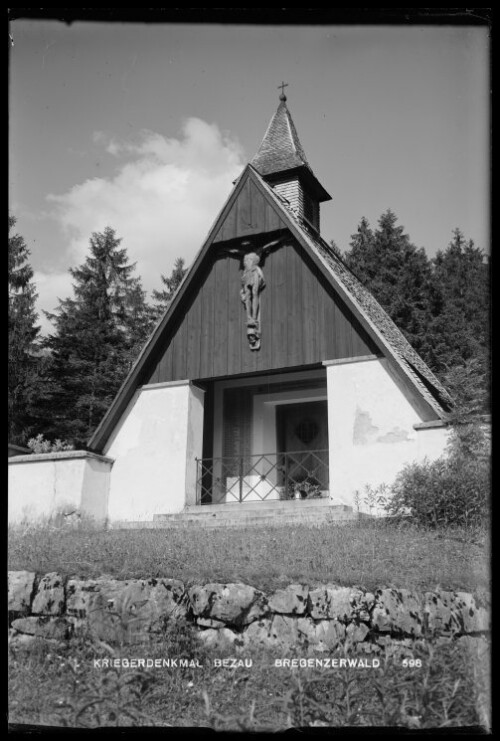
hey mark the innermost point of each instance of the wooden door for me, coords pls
(302, 435)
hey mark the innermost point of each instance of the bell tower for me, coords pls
(282, 162)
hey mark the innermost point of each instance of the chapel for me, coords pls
(274, 375)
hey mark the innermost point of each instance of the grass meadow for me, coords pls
(365, 553)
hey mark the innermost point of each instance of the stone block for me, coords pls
(454, 613)
(129, 611)
(79, 594)
(20, 590)
(275, 632)
(363, 603)
(328, 634)
(318, 603)
(474, 618)
(258, 633)
(357, 633)
(307, 630)
(22, 640)
(340, 603)
(289, 601)
(284, 631)
(233, 604)
(440, 614)
(397, 611)
(49, 597)
(57, 628)
(219, 639)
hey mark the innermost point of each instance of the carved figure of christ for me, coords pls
(252, 283)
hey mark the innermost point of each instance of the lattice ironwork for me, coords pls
(301, 474)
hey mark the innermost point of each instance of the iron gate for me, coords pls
(302, 474)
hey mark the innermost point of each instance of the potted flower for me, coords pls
(308, 488)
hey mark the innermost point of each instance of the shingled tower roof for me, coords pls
(281, 148)
(281, 152)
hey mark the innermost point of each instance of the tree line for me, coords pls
(442, 305)
(61, 385)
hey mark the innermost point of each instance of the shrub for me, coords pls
(453, 490)
(38, 444)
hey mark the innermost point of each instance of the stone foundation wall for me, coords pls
(297, 617)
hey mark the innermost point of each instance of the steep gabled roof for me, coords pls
(380, 327)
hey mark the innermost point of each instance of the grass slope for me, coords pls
(366, 554)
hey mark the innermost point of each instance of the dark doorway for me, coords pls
(302, 434)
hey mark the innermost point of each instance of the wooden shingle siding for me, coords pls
(303, 322)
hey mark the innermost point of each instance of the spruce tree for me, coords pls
(23, 334)
(171, 283)
(397, 273)
(460, 328)
(459, 334)
(98, 333)
(441, 305)
(361, 253)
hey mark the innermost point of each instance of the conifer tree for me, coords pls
(397, 273)
(171, 283)
(98, 333)
(460, 328)
(459, 334)
(23, 334)
(441, 305)
(361, 252)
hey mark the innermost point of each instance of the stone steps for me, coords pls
(236, 511)
(250, 515)
(273, 504)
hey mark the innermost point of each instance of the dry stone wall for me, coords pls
(297, 617)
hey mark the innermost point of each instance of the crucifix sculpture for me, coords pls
(252, 284)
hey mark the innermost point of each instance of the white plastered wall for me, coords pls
(45, 485)
(371, 429)
(154, 448)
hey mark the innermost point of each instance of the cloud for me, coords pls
(161, 200)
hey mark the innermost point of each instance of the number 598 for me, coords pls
(412, 663)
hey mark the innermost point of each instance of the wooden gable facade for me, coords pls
(202, 336)
(303, 321)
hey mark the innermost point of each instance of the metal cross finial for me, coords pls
(283, 86)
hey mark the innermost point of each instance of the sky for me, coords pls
(144, 128)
